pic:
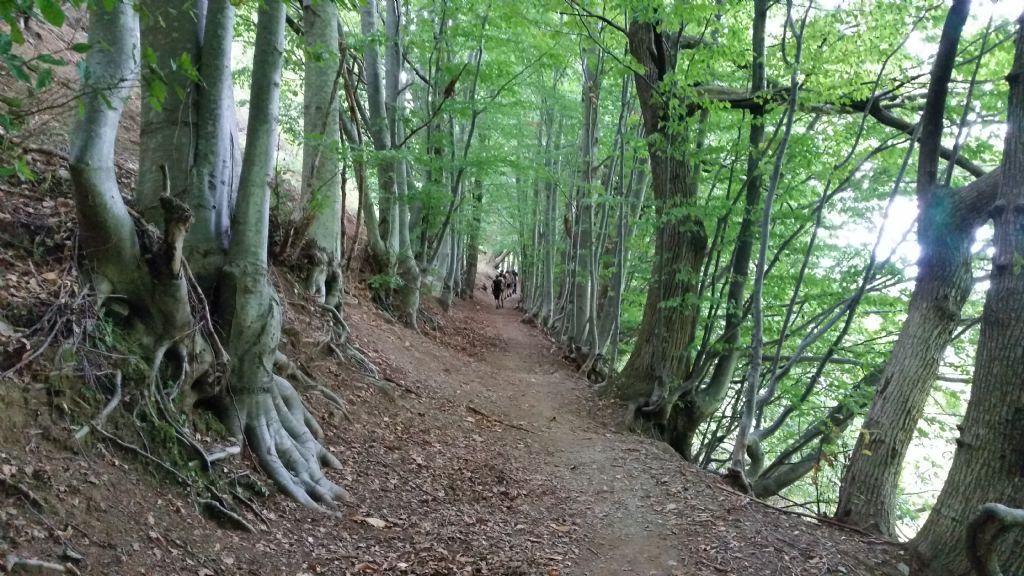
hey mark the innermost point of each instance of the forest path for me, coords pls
(607, 475)
(636, 506)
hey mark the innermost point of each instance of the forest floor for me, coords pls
(488, 456)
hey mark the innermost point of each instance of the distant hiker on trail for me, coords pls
(510, 283)
(515, 281)
(498, 290)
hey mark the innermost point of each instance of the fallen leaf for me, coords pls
(375, 522)
(561, 528)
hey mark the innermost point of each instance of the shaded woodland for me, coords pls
(784, 238)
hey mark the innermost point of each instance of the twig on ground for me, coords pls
(498, 420)
(101, 418)
(821, 519)
(11, 487)
(226, 517)
(15, 565)
(224, 454)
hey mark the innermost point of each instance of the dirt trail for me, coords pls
(640, 509)
(598, 468)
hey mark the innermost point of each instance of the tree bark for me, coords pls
(379, 232)
(661, 357)
(153, 293)
(737, 465)
(867, 496)
(987, 466)
(169, 133)
(218, 162)
(261, 406)
(581, 296)
(473, 240)
(321, 183)
(407, 268)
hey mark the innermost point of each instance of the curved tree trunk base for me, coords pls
(304, 383)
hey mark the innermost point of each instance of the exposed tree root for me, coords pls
(101, 418)
(343, 348)
(738, 479)
(167, 411)
(305, 383)
(15, 565)
(223, 516)
(991, 523)
(480, 412)
(146, 455)
(285, 441)
(224, 454)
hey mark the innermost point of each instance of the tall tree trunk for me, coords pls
(407, 268)
(988, 466)
(168, 136)
(262, 406)
(737, 464)
(187, 141)
(661, 357)
(581, 301)
(551, 227)
(704, 401)
(450, 270)
(321, 178)
(379, 232)
(867, 496)
(473, 239)
(218, 161)
(109, 240)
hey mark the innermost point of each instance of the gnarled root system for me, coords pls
(286, 441)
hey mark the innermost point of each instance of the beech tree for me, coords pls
(949, 218)
(987, 466)
(152, 280)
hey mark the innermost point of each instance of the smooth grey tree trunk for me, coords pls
(407, 268)
(264, 408)
(584, 249)
(321, 206)
(168, 136)
(218, 161)
(379, 232)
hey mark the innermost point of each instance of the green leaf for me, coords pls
(23, 169)
(51, 11)
(149, 56)
(44, 78)
(81, 47)
(51, 60)
(18, 71)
